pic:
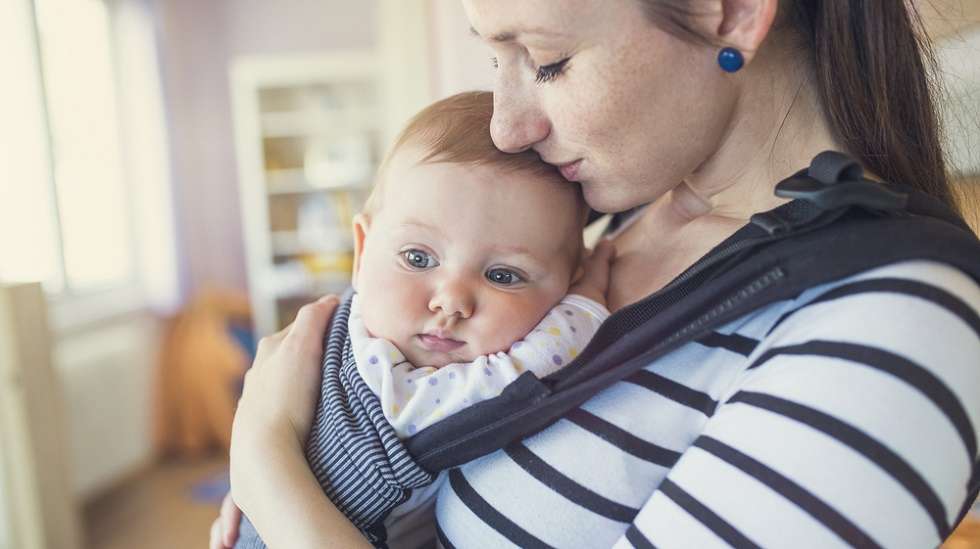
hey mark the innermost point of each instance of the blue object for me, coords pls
(245, 339)
(211, 489)
(730, 59)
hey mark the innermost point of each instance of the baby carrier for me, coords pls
(837, 224)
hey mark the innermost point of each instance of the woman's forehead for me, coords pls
(509, 20)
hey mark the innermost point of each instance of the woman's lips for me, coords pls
(439, 344)
(570, 171)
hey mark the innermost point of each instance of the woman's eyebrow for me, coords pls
(510, 36)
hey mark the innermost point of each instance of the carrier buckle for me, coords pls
(835, 180)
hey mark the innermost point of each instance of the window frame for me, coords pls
(70, 309)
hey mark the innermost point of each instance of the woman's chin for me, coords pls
(603, 201)
(609, 199)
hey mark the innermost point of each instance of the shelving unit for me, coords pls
(310, 130)
(309, 133)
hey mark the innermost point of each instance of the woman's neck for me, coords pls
(777, 127)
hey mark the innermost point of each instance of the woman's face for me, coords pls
(623, 107)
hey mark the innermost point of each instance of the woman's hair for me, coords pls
(870, 59)
(457, 130)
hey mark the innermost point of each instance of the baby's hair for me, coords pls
(457, 130)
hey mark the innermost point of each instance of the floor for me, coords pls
(169, 506)
(173, 504)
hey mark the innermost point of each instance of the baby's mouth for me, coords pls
(435, 343)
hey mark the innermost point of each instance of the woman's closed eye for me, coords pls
(505, 277)
(547, 73)
(418, 260)
(544, 73)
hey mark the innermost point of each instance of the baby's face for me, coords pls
(462, 261)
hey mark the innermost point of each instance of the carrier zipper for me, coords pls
(696, 326)
(721, 255)
(761, 283)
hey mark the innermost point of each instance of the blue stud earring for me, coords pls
(730, 59)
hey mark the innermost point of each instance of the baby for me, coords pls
(468, 272)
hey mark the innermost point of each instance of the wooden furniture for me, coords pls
(38, 504)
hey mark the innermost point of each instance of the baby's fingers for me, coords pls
(594, 282)
(603, 253)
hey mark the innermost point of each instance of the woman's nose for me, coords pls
(453, 298)
(518, 123)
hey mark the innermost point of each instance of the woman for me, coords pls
(633, 100)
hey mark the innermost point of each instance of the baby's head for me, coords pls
(462, 249)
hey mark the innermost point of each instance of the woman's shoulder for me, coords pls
(907, 289)
(892, 332)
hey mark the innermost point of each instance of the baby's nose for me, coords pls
(453, 300)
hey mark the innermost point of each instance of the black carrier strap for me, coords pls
(838, 224)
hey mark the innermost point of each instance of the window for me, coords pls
(73, 186)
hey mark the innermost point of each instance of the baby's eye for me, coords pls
(504, 277)
(417, 259)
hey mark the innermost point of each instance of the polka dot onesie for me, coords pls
(415, 398)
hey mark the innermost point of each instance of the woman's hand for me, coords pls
(281, 388)
(273, 419)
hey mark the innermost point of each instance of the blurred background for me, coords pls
(177, 177)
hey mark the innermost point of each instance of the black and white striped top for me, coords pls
(847, 416)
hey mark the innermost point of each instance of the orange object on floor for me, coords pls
(200, 371)
(967, 535)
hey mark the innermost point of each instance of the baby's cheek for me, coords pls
(388, 307)
(511, 322)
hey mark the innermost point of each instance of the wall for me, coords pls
(947, 18)
(197, 42)
(957, 55)
(461, 61)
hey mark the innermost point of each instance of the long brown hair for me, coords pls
(872, 64)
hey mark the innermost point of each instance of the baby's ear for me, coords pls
(361, 225)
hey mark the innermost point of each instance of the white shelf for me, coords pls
(294, 243)
(327, 107)
(319, 124)
(294, 181)
(287, 282)
(317, 111)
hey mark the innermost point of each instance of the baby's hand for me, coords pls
(593, 281)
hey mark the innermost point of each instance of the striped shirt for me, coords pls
(846, 416)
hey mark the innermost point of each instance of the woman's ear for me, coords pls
(361, 225)
(744, 24)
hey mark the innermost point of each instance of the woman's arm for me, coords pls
(270, 478)
(285, 502)
(855, 424)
